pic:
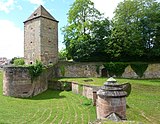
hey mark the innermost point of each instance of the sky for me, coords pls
(14, 12)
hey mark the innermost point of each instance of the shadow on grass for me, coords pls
(49, 94)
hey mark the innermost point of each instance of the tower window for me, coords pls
(49, 29)
(31, 63)
(31, 42)
(35, 14)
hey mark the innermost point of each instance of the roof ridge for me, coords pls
(40, 12)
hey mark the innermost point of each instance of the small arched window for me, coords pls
(35, 14)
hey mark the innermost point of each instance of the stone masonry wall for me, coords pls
(32, 41)
(17, 82)
(75, 88)
(87, 91)
(107, 106)
(41, 41)
(94, 69)
(79, 69)
(49, 41)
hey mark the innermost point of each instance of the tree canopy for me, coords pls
(135, 29)
(86, 32)
(132, 35)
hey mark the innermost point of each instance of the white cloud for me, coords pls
(11, 40)
(6, 5)
(106, 6)
(37, 2)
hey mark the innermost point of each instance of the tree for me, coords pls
(135, 29)
(19, 61)
(86, 32)
(62, 54)
(12, 60)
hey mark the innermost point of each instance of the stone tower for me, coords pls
(41, 37)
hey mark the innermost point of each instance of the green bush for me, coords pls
(139, 68)
(115, 68)
(66, 86)
(18, 61)
(62, 54)
(62, 69)
(36, 69)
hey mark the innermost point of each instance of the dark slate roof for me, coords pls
(41, 12)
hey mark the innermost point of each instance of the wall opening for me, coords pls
(104, 72)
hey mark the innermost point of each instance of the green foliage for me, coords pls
(62, 69)
(66, 85)
(86, 33)
(62, 55)
(18, 61)
(132, 35)
(135, 35)
(97, 68)
(36, 69)
(114, 68)
(12, 60)
(139, 68)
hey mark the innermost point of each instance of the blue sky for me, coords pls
(14, 12)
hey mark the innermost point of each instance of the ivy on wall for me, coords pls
(62, 69)
(139, 68)
(97, 68)
(36, 69)
(115, 68)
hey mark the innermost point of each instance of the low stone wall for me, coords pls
(17, 82)
(96, 69)
(75, 88)
(85, 90)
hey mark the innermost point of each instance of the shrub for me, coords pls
(18, 61)
(62, 69)
(36, 69)
(66, 86)
(62, 55)
(116, 68)
(139, 68)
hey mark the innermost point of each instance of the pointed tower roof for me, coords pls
(41, 12)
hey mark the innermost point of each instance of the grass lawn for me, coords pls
(64, 107)
(143, 102)
(49, 107)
